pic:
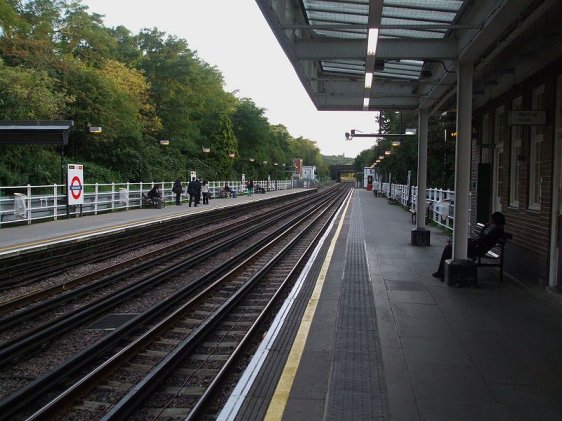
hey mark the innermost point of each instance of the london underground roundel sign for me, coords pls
(75, 184)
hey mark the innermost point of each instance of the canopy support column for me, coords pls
(420, 236)
(460, 270)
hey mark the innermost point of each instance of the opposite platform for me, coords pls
(383, 339)
(13, 239)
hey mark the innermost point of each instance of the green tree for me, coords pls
(224, 142)
(29, 94)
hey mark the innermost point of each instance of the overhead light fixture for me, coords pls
(368, 80)
(377, 161)
(206, 150)
(366, 103)
(396, 142)
(372, 41)
(381, 156)
(164, 142)
(387, 152)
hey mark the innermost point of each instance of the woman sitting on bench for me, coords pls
(479, 246)
(155, 195)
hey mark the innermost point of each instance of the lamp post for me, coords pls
(264, 165)
(275, 165)
(231, 156)
(252, 160)
(206, 151)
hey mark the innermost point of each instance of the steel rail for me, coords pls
(245, 341)
(14, 348)
(32, 391)
(18, 266)
(135, 397)
(140, 262)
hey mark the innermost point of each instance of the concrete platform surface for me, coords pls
(43, 233)
(386, 340)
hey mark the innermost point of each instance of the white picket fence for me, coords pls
(27, 204)
(441, 203)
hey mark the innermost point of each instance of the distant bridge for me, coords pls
(337, 170)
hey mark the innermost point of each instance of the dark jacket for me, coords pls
(177, 186)
(154, 193)
(488, 238)
(194, 187)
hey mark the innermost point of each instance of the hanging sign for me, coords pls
(527, 118)
(75, 184)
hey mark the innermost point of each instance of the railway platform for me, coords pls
(369, 334)
(15, 239)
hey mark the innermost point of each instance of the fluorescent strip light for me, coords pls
(372, 41)
(368, 80)
(366, 103)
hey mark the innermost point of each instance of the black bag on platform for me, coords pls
(461, 273)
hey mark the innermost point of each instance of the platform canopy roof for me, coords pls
(35, 132)
(411, 48)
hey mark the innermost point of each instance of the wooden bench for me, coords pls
(147, 202)
(394, 200)
(495, 256)
(223, 194)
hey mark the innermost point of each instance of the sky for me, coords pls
(234, 36)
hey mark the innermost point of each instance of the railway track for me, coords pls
(198, 317)
(33, 331)
(26, 268)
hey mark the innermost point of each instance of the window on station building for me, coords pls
(498, 134)
(536, 163)
(499, 125)
(515, 154)
(486, 139)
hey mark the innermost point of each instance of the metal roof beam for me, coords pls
(430, 49)
(325, 100)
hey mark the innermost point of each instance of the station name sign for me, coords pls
(526, 118)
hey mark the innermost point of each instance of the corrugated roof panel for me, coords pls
(411, 33)
(438, 5)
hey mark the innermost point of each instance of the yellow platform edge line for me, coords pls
(281, 395)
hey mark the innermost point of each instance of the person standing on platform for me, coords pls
(250, 187)
(178, 190)
(205, 192)
(193, 190)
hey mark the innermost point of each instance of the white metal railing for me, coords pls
(440, 203)
(27, 204)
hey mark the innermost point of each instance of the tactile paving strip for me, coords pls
(357, 387)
